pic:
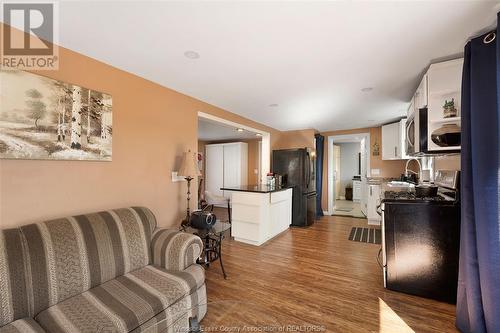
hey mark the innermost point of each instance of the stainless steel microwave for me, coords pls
(416, 133)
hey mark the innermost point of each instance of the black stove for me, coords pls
(420, 240)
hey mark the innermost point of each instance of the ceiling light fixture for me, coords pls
(367, 89)
(239, 129)
(191, 55)
(274, 105)
(258, 134)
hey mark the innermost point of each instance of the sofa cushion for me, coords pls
(71, 255)
(174, 249)
(14, 300)
(176, 318)
(124, 303)
(25, 325)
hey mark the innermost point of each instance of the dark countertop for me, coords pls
(420, 201)
(255, 188)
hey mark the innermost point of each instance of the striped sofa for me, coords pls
(111, 271)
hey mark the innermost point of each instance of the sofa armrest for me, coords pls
(176, 250)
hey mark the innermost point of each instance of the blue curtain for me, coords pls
(320, 140)
(478, 298)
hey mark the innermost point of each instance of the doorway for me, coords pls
(230, 155)
(348, 169)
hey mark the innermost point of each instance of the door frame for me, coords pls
(336, 169)
(265, 151)
(344, 138)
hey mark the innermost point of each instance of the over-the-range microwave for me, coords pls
(416, 133)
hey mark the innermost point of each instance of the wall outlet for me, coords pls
(176, 178)
(375, 172)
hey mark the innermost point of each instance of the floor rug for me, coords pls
(366, 235)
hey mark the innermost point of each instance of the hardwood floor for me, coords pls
(316, 276)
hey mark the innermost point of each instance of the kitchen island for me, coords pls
(259, 212)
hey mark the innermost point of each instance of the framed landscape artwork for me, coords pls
(42, 118)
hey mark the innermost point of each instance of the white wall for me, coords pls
(349, 164)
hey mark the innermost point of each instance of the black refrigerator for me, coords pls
(298, 168)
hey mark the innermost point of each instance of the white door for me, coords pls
(364, 182)
(232, 167)
(214, 169)
(336, 174)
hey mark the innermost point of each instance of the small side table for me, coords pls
(212, 243)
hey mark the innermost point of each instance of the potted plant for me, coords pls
(449, 109)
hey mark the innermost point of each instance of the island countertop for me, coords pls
(259, 212)
(255, 188)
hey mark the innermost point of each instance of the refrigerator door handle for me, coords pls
(308, 174)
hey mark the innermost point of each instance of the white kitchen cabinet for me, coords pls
(258, 217)
(411, 107)
(402, 139)
(393, 141)
(356, 190)
(226, 166)
(214, 169)
(420, 98)
(235, 165)
(373, 201)
(364, 196)
(390, 141)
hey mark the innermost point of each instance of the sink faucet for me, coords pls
(419, 168)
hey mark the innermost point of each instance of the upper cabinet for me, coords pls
(390, 141)
(421, 95)
(439, 92)
(393, 141)
(420, 98)
(444, 101)
(411, 107)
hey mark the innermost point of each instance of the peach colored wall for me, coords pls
(295, 139)
(152, 127)
(253, 161)
(387, 168)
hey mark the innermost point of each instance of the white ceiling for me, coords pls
(311, 58)
(209, 130)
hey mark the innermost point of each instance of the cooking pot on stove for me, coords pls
(426, 190)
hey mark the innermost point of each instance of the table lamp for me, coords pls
(189, 170)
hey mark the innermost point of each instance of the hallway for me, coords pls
(348, 208)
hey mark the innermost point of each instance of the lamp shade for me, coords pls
(189, 166)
